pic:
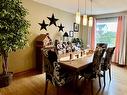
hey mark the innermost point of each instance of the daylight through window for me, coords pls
(106, 31)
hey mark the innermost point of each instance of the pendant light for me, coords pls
(85, 16)
(90, 21)
(78, 15)
(91, 18)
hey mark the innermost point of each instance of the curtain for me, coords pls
(119, 54)
(91, 35)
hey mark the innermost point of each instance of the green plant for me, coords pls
(77, 41)
(13, 29)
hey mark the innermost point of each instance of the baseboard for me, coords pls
(26, 73)
(119, 65)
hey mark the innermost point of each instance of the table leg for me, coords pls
(76, 87)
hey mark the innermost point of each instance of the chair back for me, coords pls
(108, 57)
(96, 61)
(102, 45)
(48, 64)
(53, 69)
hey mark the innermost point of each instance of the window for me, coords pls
(106, 31)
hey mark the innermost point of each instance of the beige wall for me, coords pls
(22, 60)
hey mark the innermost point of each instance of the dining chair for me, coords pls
(93, 70)
(106, 62)
(102, 45)
(54, 73)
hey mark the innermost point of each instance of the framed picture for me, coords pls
(71, 33)
(76, 27)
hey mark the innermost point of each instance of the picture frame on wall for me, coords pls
(76, 27)
(71, 33)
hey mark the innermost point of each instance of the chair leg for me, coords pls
(91, 87)
(104, 77)
(57, 88)
(110, 73)
(46, 87)
(99, 80)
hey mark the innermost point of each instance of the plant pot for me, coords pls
(5, 79)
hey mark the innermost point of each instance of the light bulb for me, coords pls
(78, 17)
(84, 19)
(90, 21)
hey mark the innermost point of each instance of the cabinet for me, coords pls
(42, 41)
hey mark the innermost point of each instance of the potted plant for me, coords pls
(77, 42)
(13, 33)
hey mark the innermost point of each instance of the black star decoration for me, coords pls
(61, 27)
(43, 25)
(52, 20)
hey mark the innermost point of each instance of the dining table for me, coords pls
(75, 62)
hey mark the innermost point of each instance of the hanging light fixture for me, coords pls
(78, 15)
(91, 18)
(90, 21)
(85, 16)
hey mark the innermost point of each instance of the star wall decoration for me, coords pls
(43, 25)
(61, 27)
(52, 20)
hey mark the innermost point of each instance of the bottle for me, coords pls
(81, 53)
(70, 56)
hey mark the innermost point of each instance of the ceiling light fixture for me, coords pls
(91, 18)
(85, 16)
(78, 15)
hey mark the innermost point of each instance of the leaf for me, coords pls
(13, 25)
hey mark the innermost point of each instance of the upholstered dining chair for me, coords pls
(54, 73)
(106, 62)
(94, 69)
(102, 45)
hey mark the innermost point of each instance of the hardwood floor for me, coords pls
(34, 84)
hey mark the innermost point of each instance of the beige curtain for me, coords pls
(91, 35)
(120, 50)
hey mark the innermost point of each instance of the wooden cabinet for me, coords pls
(42, 41)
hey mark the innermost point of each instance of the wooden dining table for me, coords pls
(76, 64)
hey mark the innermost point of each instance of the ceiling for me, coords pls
(98, 6)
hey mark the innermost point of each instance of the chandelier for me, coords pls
(91, 18)
(78, 15)
(85, 16)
